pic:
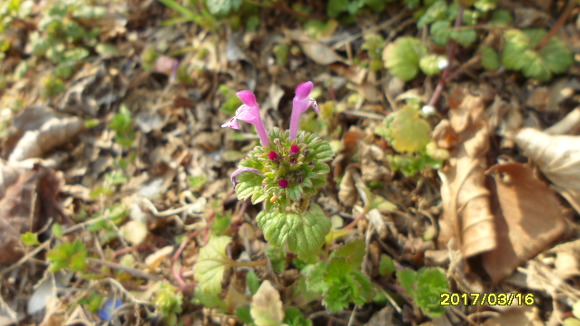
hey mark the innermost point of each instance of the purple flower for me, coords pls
(249, 112)
(300, 104)
(283, 183)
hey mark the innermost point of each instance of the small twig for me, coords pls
(260, 262)
(352, 316)
(129, 270)
(558, 25)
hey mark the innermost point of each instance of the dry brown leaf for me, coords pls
(318, 52)
(26, 205)
(521, 316)
(558, 157)
(347, 193)
(467, 215)
(523, 227)
(53, 133)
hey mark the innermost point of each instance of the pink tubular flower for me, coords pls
(249, 112)
(300, 104)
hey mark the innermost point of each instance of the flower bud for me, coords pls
(273, 156)
(294, 149)
(283, 183)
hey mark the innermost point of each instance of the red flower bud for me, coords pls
(273, 156)
(283, 183)
(294, 149)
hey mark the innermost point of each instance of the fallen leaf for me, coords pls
(53, 133)
(26, 204)
(134, 232)
(152, 261)
(523, 227)
(466, 208)
(266, 306)
(558, 157)
(520, 316)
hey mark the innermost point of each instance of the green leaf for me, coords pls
(430, 64)
(315, 277)
(168, 301)
(386, 265)
(252, 281)
(501, 17)
(407, 277)
(345, 286)
(68, 255)
(277, 257)
(304, 233)
(407, 131)
(489, 58)
(335, 7)
(465, 37)
(243, 314)
(294, 317)
(211, 264)
(353, 252)
(223, 7)
(402, 57)
(557, 56)
(519, 54)
(440, 32)
(30, 239)
(437, 11)
(431, 283)
(250, 185)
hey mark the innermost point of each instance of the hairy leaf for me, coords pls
(304, 233)
(211, 264)
(402, 57)
(406, 130)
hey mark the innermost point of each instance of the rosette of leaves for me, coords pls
(425, 287)
(520, 54)
(340, 280)
(304, 172)
(406, 56)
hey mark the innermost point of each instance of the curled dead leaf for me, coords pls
(467, 215)
(523, 227)
(558, 157)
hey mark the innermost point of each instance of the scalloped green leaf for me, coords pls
(435, 12)
(430, 64)
(211, 263)
(465, 37)
(489, 58)
(519, 54)
(304, 233)
(402, 57)
(250, 185)
(407, 131)
(440, 31)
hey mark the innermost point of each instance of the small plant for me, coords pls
(425, 287)
(72, 256)
(168, 300)
(284, 172)
(521, 53)
(409, 134)
(407, 55)
(339, 280)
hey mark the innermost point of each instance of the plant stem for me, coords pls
(571, 4)
(126, 269)
(255, 263)
(451, 51)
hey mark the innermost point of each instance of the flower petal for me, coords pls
(248, 98)
(247, 114)
(303, 90)
(233, 123)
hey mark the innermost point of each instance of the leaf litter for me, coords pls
(149, 201)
